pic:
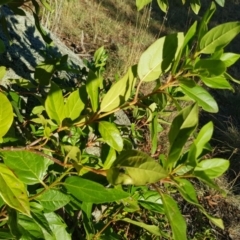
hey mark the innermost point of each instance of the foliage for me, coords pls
(51, 187)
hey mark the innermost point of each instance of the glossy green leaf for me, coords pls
(142, 3)
(52, 200)
(210, 67)
(219, 36)
(6, 115)
(229, 58)
(195, 5)
(92, 87)
(163, 4)
(120, 92)
(151, 228)
(74, 105)
(181, 129)
(135, 167)
(54, 104)
(13, 191)
(199, 94)
(219, 82)
(29, 167)
(175, 218)
(89, 191)
(111, 135)
(58, 227)
(204, 136)
(43, 73)
(213, 168)
(156, 59)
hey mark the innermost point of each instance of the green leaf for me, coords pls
(219, 82)
(199, 94)
(58, 227)
(204, 136)
(6, 115)
(163, 4)
(43, 73)
(110, 156)
(135, 167)
(151, 228)
(111, 135)
(73, 153)
(2, 72)
(195, 5)
(6, 234)
(203, 26)
(29, 228)
(220, 2)
(175, 218)
(153, 126)
(218, 37)
(13, 191)
(92, 86)
(210, 67)
(52, 200)
(187, 190)
(213, 168)
(182, 127)
(217, 221)
(13, 222)
(229, 58)
(151, 201)
(158, 57)
(74, 105)
(54, 104)
(142, 3)
(89, 191)
(120, 92)
(29, 167)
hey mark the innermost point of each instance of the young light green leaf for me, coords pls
(111, 135)
(195, 5)
(2, 72)
(217, 221)
(92, 86)
(199, 143)
(135, 167)
(203, 27)
(199, 94)
(182, 127)
(156, 59)
(213, 168)
(120, 92)
(219, 82)
(13, 191)
(6, 115)
(163, 4)
(175, 218)
(218, 37)
(89, 191)
(142, 3)
(52, 200)
(210, 67)
(229, 58)
(151, 228)
(54, 104)
(73, 153)
(29, 167)
(220, 2)
(74, 105)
